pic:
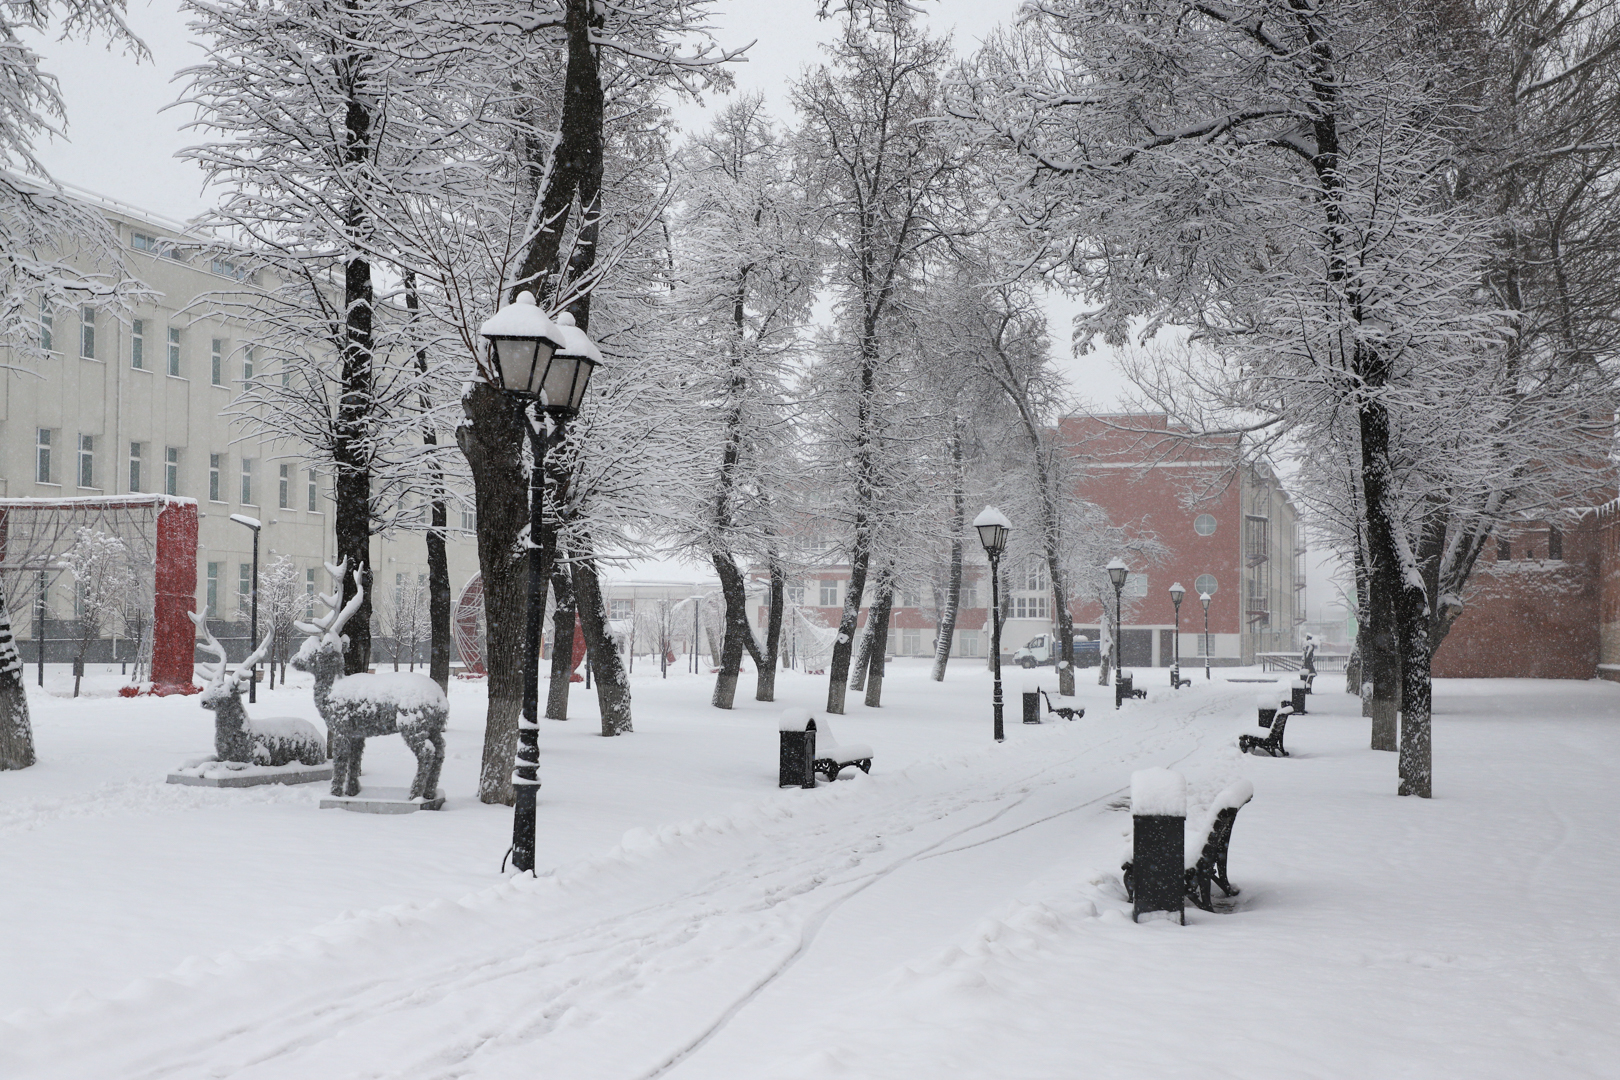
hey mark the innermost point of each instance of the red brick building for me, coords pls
(1227, 530)
(1543, 603)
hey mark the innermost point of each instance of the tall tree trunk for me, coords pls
(612, 684)
(882, 605)
(563, 621)
(738, 636)
(16, 733)
(765, 676)
(863, 652)
(1394, 580)
(440, 640)
(491, 441)
(946, 632)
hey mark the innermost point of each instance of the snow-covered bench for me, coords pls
(1272, 744)
(831, 757)
(1208, 837)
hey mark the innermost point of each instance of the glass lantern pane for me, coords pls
(559, 386)
(516, 357)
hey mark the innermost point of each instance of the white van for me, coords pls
(1044, 649)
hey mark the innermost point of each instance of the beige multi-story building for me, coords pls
(139, 401)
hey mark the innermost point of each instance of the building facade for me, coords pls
(140, 401)
(1227, 530)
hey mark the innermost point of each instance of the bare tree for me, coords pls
(103, 573)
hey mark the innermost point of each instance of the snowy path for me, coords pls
(709, 915)
(955, 914)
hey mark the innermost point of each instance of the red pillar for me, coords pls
(174, 638)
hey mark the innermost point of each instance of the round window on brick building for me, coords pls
(1204, 524)
(1206, 583)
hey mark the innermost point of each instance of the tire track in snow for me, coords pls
(814, 924)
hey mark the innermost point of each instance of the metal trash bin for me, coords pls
(797, 760)
(1123, 688)
(1158, 843)
(1032, 701)
(1266, 701)
(1296, 690)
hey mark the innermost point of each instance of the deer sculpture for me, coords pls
(279, 740)
(356, 707)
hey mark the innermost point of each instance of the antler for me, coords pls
(329, 627)
(213, 674)
(244, 671)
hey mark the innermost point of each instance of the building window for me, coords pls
(286, 375)
(621, 609)
(174, 351)
(1035, 579)
(87, 332)
(211, 606)
(1204, 524)
(46, 338)
(910, 642)
(313, 494)
(967, 643)
(247, 365)
(171, 470)
(309, 593)
(909, 597)
(135, 466)
(795, 595)
(216, 363)
(87, 461)
(247, 482)
(1030, 607)
(142, 242)
(214, 463)
(469, 521)
(969, 597)
(284, 488)
(244, 590)
(1555, 543)
(1206, 583)
(42, 455)
(137, 344)
(1504, 550)
(829, 592)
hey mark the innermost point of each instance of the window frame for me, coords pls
(86, 461)
(171, 470)
(87, 332)
(173, 339)
(216, 463)
(42, 455)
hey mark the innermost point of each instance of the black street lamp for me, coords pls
(253, 619)
(1203, 598)
(549, 364)
(1176, 595)
(1117, 573)
(993, 528)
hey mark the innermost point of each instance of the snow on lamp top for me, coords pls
(522, 339)
(1118, 572)
(1158, 793)
(993, 528)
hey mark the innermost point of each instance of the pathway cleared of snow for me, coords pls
(957, 913)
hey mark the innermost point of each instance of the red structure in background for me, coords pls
(468, 609)
(1543, 602)
(174, 639)
(161, 528)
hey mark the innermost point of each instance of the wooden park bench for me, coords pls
(1208, 838)
(1064, 711)
(1272, 744)
(831, 757)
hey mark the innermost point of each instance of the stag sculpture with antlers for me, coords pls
(278, 740)
(356, 707)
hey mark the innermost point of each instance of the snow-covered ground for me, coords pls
(957, 913)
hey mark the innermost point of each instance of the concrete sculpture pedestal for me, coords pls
(211, 772)
(383, 800)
